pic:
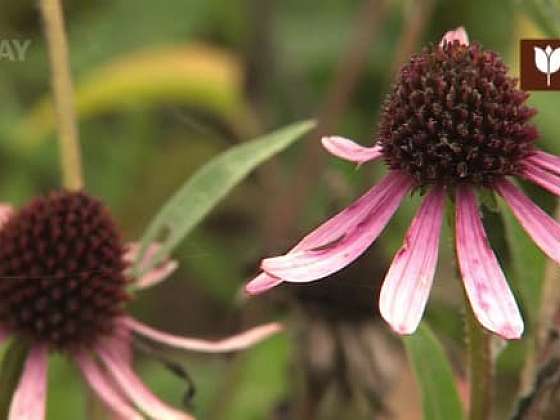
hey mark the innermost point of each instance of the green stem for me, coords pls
(480, 367)
(480, 361)
(63, 93)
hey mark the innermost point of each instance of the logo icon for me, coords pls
(540, 64)
(547, 61)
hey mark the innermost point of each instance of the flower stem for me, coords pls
(481, 371)
(480, 361)
(63, 93)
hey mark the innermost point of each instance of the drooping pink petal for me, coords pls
(543, 178)
(349, 235)
(458, 34)
(236, 342)
(107, 391)
(135, 389)
(334, 228)
(29, 400)
(489, 294)
(408, 283)
(155, 275)
(546, 160)
(343, 222)
(349, 150)
(261, 284)
(544, 230)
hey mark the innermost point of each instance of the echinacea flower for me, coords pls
(63, 285)
(454, 123)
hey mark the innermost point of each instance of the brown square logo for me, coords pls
(540, 64)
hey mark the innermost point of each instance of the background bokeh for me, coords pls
(164, 86)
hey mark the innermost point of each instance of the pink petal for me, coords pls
(6, 210)
(544, 230)
(349, 150)
(546, 161)
(334, 228)
(348, 235)
(237, 342)
(29, 400)
(489, 294)
(458, 34)
(107, 391)
(135, 389)
(157, 274)
(261, 284)
(545, 179)
(407, 285)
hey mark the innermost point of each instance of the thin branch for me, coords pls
(350, 68)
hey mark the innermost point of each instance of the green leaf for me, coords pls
(10, 372)
(434, 376)
(546, 14)
(251, 374)
(200, 194)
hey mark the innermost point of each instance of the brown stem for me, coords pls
(418, 15)
(289, 203)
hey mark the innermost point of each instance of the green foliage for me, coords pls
(196, 198)
(434, 376)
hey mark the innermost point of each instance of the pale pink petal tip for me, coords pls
(458, 34)
(262, 283)
(29, 400)
(489, 294)
(349, 150)
(236, 342)
(409, 280)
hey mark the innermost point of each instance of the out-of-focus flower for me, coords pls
(454, 123)
(347, 358)
(63, 285)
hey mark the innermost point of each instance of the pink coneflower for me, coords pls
(63, 285)
(454, 123)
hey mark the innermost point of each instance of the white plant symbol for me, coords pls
(547, 61)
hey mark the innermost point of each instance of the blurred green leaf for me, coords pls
(256, 384)
(546, 13)
(198, 75)
(10, 372)
(194, 200)
(434, 376)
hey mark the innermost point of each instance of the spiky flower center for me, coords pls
(454, 115)
(61, 271)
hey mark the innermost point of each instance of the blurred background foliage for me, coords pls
(164, 86)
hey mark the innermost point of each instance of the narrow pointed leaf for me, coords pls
(200, 194)
(440, 399)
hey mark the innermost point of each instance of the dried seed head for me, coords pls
(61, 271)
(454, 115)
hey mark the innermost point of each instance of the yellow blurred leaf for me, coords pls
(197, 75)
